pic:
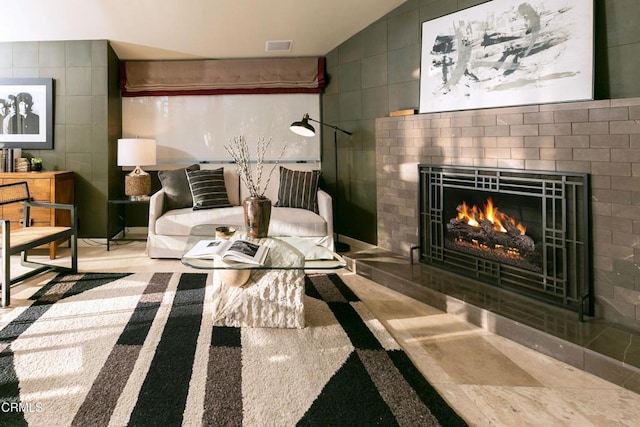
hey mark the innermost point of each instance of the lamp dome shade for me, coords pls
(136, 152)
(303, 127)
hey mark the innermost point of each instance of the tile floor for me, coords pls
(488, 379)
(594, 345)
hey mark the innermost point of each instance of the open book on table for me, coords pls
(229, 250)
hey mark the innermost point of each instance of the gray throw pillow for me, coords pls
(298, 189)
(176, 187)
(208, 189)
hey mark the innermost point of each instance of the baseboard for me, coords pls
(91, 242)
(137, 230)
(129, 232)
(356, 245)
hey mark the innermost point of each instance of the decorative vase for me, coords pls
(257, 214)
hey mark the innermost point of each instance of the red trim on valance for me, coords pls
(221, 92)
(322, 80)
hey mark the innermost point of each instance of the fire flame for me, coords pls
(474, 215)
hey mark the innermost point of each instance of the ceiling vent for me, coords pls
(278, 45)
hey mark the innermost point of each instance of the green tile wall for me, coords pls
(83, 73)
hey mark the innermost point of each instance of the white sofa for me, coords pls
(169, 230)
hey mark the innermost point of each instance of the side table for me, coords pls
(121, 205)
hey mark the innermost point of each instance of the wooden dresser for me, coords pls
(56, 187)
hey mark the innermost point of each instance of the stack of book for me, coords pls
(7, 159)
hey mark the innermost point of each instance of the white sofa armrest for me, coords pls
(325, 210)
(156, 209)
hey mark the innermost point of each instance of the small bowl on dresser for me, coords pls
(224, 232)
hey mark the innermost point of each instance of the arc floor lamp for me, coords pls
(303, 128)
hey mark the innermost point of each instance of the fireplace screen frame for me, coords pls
(565, 279)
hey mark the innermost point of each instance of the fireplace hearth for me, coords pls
(526, 231)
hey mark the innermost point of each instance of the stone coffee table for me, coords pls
(249, 295)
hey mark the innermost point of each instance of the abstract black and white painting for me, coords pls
(506, 53)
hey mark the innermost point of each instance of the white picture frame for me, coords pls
(507, 53)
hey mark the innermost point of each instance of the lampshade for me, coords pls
(136, 152)
(303, 127)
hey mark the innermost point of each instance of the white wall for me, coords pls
(192, 129)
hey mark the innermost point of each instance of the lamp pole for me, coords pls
(340, 246)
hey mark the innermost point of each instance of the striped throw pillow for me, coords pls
(208, 189)
(298, 189)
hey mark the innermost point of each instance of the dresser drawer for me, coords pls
(15, 213)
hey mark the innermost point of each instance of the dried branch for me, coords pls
(238, 149)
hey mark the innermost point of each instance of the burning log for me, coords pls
(486, 233)
(491, 228)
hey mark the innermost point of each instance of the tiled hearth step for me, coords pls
(601, 348)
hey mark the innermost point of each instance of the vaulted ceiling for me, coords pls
(182, 29)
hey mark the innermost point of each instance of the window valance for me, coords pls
(222, 77)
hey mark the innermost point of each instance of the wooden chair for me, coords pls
(19, 240)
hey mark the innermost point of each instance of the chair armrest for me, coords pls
(156, 209)
(325, 210)
(50, 205)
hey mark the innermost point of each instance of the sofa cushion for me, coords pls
(178, 222)
(176, 187)
(298, 189)
(208, 189)
(284, 221)
(296, 222)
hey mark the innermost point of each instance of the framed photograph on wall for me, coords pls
(26, 113)
(507, 53)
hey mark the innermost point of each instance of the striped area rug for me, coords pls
(140, 349)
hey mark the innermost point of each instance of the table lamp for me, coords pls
(136, 152)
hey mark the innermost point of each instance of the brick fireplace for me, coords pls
(599, 138)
